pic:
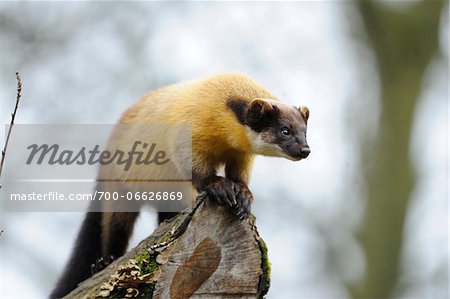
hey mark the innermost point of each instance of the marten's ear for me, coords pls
(304, 112)
(259, 107)
(259, 114)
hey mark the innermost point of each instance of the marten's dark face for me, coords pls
(274, 128)
(278, 130)
(288, 132)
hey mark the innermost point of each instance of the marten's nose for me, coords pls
(304, 152)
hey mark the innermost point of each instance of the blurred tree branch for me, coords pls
(13, 116)
(404, 42)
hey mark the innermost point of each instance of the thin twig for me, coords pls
(13, 116)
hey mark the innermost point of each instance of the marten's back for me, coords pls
(194, 101)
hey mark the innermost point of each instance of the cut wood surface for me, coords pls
(204, 252)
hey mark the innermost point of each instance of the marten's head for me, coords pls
(275, 129)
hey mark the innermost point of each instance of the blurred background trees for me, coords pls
(404, 41)
(364, 216)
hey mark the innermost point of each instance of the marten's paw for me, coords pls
(235, 196)
(222, 190)
(244, 199)
(101, 264)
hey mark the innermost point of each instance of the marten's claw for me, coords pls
(221, 190)
(244, 199)
(226, 193)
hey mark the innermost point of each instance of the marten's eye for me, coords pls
(285, 131)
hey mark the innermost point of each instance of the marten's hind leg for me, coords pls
(117, 228)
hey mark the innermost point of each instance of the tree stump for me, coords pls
(204, 252)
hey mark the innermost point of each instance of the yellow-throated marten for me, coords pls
(233, 119)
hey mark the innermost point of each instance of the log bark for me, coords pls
(204, 252)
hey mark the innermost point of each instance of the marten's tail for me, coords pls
(87, 250)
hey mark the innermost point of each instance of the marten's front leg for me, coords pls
(234, 195)
(244, 199)
(231, 191)
(219, 189)
(237, 169)
(222, 191)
